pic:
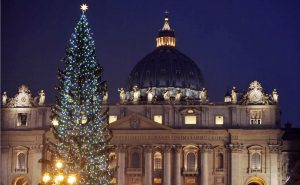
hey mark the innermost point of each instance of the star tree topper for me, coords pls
(84, 7)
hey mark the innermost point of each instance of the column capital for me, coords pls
(205, 147)
(167, 148)
(148, 148)
(178, 148)
(235, 147)
(121, 148)
(274, 148)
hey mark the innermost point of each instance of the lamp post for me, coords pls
(59, 178)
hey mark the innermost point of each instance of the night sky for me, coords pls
(233, 42)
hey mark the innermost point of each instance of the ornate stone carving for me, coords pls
(235, 147)
(22, 99)
(256, 95)
(134, 122)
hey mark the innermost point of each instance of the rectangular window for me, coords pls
(157, 118)
(112, 118)
(190, 120)
(22, 120)
(219, 120)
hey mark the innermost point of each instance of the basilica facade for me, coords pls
(166, 130)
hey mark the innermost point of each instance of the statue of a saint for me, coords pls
(234, 95)
(178, 95)
(166, 95)
(105, 97)
(275, 96)
(122, 95)
(203, 95)
(42, 97)
(136, 94)
(4, 98)
(150, 95)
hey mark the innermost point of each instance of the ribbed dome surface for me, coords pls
(166, 67)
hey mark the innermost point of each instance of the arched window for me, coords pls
(220, 161)
(191, 162)
(157, 161)
(21, 161)
(256, 161)
(135, 160)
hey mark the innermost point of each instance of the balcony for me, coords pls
(134, 171)
(20, 170)
(190, 172)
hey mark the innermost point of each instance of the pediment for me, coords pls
(137, 122)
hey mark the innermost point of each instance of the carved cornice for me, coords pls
(205, 147)
(235, 147)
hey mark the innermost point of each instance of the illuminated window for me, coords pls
(22, 119)
(190, 120)
(255, 117)
(256, 161)
(157, 161)
(219, 120)
(157, 180)
(157, 118)
(112, 118)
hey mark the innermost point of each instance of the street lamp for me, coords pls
(58, 177)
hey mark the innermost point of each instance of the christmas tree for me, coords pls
(82, 133)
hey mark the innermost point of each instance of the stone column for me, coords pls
(121, 164)
(235, 161)
(148, 165)
(204, 168)
(177, 169)
(274, 149)
(35, 154)
(167, 165)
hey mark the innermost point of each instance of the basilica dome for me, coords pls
(166, 66)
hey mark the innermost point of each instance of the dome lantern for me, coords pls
(166, 36)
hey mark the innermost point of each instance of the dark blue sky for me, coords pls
(233, 42)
